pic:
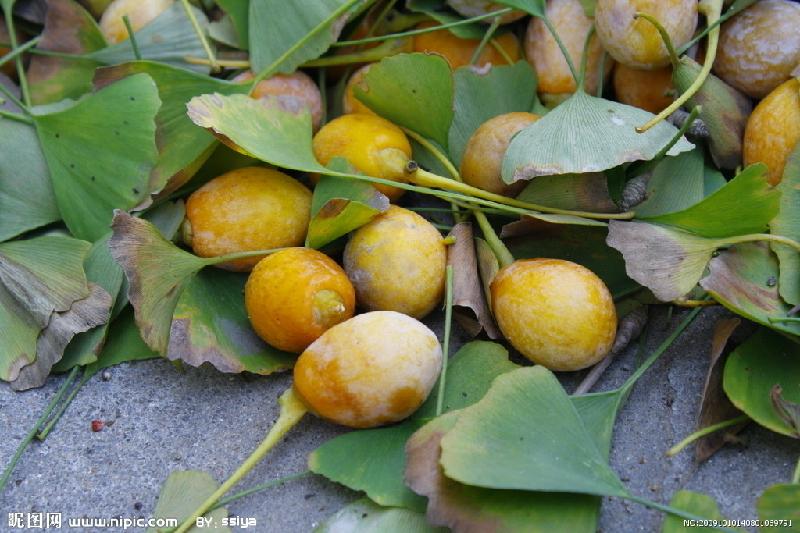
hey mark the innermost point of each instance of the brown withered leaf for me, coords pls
(715, 406)
(157, 272)
(68, 28)
(89, 312)
(488, 266)
(788, 410)
(467, 290)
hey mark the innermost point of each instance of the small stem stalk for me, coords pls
(486, 38)
(62, 409)
(712, 10)
(448, 320)
(499, 248)
(32, 433)
(201, 34)
(292, 411)
(12, 35)
(706, 431)
(132, 38)
(564, 51)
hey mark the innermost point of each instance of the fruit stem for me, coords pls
(711, 9)
(224, 63)
(448, 320)
(261, 486)
(706, 431)
(10, 56)
(602, 74)
(32, 433)
(675, 511)
(734, 9)
(12, 35)
(499, 12)
(499, 248)
(487, 36)
(564, 50)
(387, 48)
(694, 303)
(585, 58)
(424, 178)
(292, 411)
(87, 375)
(132, 37)
(15, 116)
(502, 51)
(662, 31)
(238, 255)
(760, 237)
(201, 34)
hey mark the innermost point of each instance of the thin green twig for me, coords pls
(201, 34)
(12, 35)
(87, 375)
(700, 433)
(486, 38)
(260, 487)
(132, 37)
(32, 433)
(563, 48)
(448, 319)
(15, 116)
(420, 31)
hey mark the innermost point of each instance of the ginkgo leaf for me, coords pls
(100, 152)
(586, 134)
(182, 146)
(157, 271)
(526, 434)
(667, 261)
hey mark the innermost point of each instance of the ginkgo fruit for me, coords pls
(556, 313)
(293, 296)
(397, 262)
(773, 129)
(364, 142)
(650, 90)
(544, 54)
(635, 42)
(759, 47)
(482, 162)
(374, 369)
(458, 51)
(248, 209)
(294, 91)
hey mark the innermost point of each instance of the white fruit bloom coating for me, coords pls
(373, 369)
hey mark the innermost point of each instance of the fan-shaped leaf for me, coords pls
(100, 152)
(526, 434)
(586, 134)
(787, 223)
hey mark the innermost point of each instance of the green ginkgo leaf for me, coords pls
(339, 206)
(170, 38)
(752, 371)
(481, 95)
(787, 224)
(778, 506)
(182, 146)
(411, 90)
(259, 128)
(284, 35)
(526, 434)
(182, 492)
(100, 152)
(586, 134)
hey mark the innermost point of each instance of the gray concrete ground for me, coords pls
(165, 420)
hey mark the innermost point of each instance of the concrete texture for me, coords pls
(200, 419)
